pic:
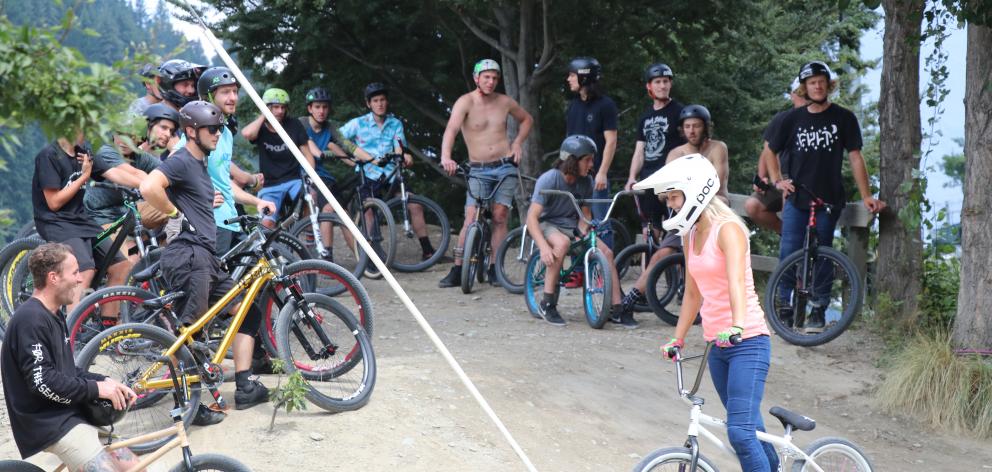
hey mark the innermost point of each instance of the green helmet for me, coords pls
(275, 96)
(484, 65)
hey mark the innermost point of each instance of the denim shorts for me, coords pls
(277, 193)
(482, 181)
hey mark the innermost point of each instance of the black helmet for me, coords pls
(576, 145)
(197, 114)
(148, 71)
(161, 111)
(375, 88)
(657, 70)
(694, 111)
(810, 69)
(176, 70)
(212, 79)
(101, 412)
(319, 94)
(587, 68)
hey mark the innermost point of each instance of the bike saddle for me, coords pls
(147, 273)
(791, 418)
(161, 302)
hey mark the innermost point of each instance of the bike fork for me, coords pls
(405, 199)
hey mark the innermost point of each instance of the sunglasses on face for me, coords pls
(213, 129)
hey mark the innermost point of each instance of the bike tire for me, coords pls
(534, 284)
(409, 255)
(665, 288)
(826, 452)
(472, 259)
(621, 235)
(10, 257)
(630, 263)
(672, 458)
(27, 230)
(109, 354)
(353, 258)
(511, 267)
(850, 294)
(85, 323)
(347, 383)
(19, 466)
(218, 462)
(597, 290)
(309, 274)
(383, 240)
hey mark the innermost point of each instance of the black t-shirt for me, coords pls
(54, 169)
(275, 160)
(659, 129)
(592, 118)
(816, 143)
(192, 192)
(769, 134)
(41, 383)
(105, 204)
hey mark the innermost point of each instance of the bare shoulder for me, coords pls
(676, 153)
(732, 234)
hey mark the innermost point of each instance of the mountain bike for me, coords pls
(827, 454)
(478, 244)
(815, 283)
(315, 335)
(407, 209)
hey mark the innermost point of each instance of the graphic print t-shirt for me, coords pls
(275, 160)
(659, 130)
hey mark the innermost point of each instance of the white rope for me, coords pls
(247, 87)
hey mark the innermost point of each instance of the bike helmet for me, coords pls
(159, 111)
(318, 94)
(577, 145)
(695, 177)
(814, 68)
(694, 111)
(212, 79)
(101, 412)
(484, 65)
(197, 114)
(275, 96)
(375, 88)
(132, 125)
(173, 71)
(657, 70)
(587, 68)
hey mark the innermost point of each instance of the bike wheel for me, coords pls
(85, 322)
(325, 278)
(672, 458)
(789, 304)
(621, 235)
(630, 263)
(204, 462)
(511, 260)
(472, 259)
(331, 351)
(409, 253)
(19, 466)
(125, 353)
(10, 257)
(349, 256)
(665, 288)
(834, 454)
(597, 291)
(379, 227)
(534, 284)
(27, 230)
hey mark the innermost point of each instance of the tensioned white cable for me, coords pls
(247, 87)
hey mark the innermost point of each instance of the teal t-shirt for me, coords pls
(219, 168)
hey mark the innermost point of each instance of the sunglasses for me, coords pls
(213, 129)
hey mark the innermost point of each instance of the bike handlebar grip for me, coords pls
(231, 221)
(735, 339)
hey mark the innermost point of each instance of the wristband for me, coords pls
(173, 214)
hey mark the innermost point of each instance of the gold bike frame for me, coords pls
(181, 440)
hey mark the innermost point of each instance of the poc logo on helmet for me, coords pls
(705, 191)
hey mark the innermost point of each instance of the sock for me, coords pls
(550, 299)
(241, 379)
(108, 321)
(425, 244)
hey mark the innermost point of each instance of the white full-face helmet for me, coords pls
(695, 177)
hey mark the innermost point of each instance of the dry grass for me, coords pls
(928, 381)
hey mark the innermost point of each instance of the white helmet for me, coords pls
(484, 65)
(695, 177)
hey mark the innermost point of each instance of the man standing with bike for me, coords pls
(182, 184)
(480, 116)
(43, 388)
(815, 137)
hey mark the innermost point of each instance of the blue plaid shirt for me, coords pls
(365, 133)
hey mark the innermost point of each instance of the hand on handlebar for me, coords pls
(672, 347)
(729, 337)
(449, 166)
(265, 207)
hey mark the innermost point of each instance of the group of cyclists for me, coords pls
(177, 150)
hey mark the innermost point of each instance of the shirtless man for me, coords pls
(480, 116)
(695, 126)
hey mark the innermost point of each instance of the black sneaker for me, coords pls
(251, 395)
(627, 318)
(550, 314)
(453, 279)
(206, 417)
(816, 321)
(492, 276)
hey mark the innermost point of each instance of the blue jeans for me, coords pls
(599, 214)
(277, 194)
(738, 375)
(794, 221)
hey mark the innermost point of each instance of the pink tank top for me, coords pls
(709, 270)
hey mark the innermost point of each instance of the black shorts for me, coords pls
(652, 209)
(88, 256)
(770, 199)
(332, 186)
(196, 271)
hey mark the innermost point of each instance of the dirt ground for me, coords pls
(574, 398)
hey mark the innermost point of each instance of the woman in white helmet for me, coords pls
(720, 288)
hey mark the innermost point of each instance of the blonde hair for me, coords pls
(717, 211)
(801, 91)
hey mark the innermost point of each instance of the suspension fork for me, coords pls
(405, 199)
(294, 294)
(315, 223)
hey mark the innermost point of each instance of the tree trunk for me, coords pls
(973, 324)
(900, 247)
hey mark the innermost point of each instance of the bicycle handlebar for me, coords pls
(127, 192)
(575, 202)
(678, 358)
(466, 171)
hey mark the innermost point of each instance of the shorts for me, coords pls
(548, 229)
(151, 218)
(277, 193)
(88, 256)
(771, 200)
(652, 209)
(331, 184)
(672, 240)
(79, 446)
(482, 181)
(371, 189)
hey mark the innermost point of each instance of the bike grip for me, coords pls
(231, 221)
(735, 339)
(266, 212)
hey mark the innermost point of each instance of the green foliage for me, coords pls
(291, 396)
(939, 300)
(953, 166)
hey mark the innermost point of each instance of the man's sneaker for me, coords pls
(816, 320)
(206, 417)
(574, 280)
(426, 255)
(627, 319)
(253, 394)
(453, 279)
(550, 314)
(491, 274)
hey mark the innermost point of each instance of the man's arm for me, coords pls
(721, 161)
(37, 366)
(250, 131)
(525, 123)
(455, 121)
(636, 163)
(608, 150)
(245, 198)
(243, 178)
(860, 171)
(126, 175)
(153, 189)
